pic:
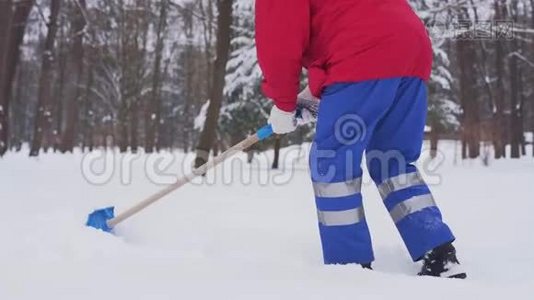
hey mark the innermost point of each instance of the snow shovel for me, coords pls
(105, 219)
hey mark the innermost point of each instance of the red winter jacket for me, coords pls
(337, 41)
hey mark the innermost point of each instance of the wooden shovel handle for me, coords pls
(245, 144)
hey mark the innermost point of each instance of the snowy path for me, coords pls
(243, 241)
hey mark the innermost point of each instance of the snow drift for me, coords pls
(228, 238)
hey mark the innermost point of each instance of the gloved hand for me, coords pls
(306, 94)
(308, 106)
(282, 121)
(285, 122)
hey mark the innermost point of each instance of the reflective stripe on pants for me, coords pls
(399, 182)
(341, 218)
(337, 189)
(410, 206)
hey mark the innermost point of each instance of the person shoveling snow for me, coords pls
(368, 61)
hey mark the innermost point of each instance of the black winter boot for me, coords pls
(442, 262)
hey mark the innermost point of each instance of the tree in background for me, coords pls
(13, 19)
(76, 63)
(443, 112)
(153, 105)
(42, 135)
(224, 31)
(134, 74)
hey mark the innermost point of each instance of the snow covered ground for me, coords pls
(246, 234)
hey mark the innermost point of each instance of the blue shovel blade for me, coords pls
(99, 219)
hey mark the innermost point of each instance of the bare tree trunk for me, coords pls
(520, 114)
(224, 30)
(515, 101)
(277, 145)
(18, 120)
(499, 142)
(532, 96)
(134, 126)
(153, 110)
(464, 144)
(43, 121)
(470, 119)
(250, 156)
(6, 10)
(60, 84)
(434, 140)
(88, 114)
(482, 63)
(189, 74)
(77, 56)
(12, 27)
(208, 15)
(122, 129)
